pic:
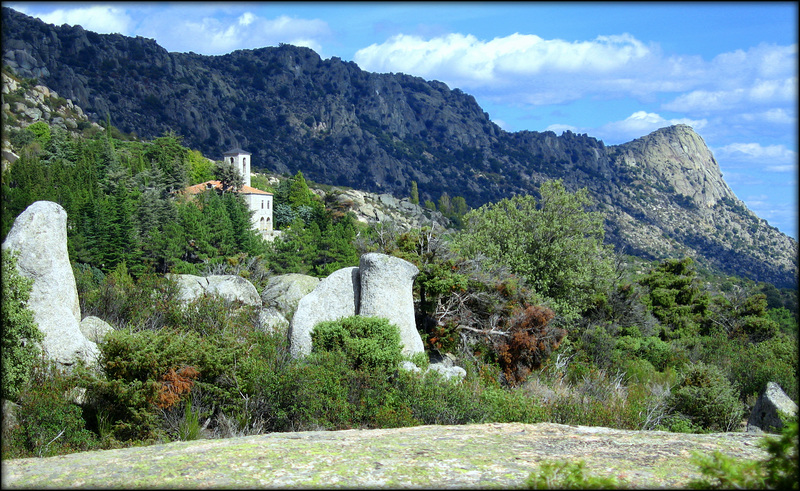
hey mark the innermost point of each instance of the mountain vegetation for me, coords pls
(525, 290)
(662, 196)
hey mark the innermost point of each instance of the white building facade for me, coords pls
(259, 202)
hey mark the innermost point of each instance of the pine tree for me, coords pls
(414, 193)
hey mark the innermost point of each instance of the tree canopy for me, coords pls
(553, 242)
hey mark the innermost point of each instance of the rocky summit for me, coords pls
(663, 195)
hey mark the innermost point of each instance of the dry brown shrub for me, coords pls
(529, 342)
(174, 384)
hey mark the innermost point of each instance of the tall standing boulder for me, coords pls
(39, 237)
(335, 297)
(387, 291)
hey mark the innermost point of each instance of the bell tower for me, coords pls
(240, 161)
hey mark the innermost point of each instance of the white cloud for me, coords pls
(471, 62)
(772, 116)
(774, 158)
(104, 19)
(220, 34)
(638, 124)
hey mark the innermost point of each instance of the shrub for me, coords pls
(530, 342)
(20, 331)
(368, 343)
(48, 422)
(778, 471)
(707, 398)
(568, 475)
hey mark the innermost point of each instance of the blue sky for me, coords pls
(615, 71)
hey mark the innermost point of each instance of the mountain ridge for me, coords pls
(663, 194)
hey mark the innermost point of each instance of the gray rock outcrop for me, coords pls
(284, 292)
(233, 288)
(39, 236)
(772, 410)
(95, 328)
(386, 291)
(335, 297)
(272, 320)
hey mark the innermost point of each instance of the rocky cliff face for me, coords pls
(663, 194)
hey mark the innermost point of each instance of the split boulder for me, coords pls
(335, 297)
(387, 291)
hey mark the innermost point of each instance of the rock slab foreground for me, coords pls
(421, 457)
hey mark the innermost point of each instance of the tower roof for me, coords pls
(236, 151)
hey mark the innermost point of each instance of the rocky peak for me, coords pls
(678, 157)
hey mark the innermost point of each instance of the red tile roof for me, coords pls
(199, 188)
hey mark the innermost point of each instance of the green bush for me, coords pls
(568, 475)
(773, 360)
(48, 422)
(369, 343)
(21, 334)
(707, 398)
(778, 471)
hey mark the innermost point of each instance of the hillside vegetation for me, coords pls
(610, 341)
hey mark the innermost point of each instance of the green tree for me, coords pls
(675, 298)
(444, 204)
(229, 176)
(41, 132)
(299, 194)
(414, 193)
(201, 169)
(20, 332)
(556, 245)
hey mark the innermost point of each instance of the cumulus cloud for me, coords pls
(215, 33)
(104, 19)
(773, 158)
(639, 124)
(466, 61)
(527, 69)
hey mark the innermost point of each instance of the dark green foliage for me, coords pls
(369, 343)
(676, 299)
(48, 422)
(21, 335)
(779, 471)
(707, 398)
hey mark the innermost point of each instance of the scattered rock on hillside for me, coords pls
(772, 411)
(283, 292)
(39, 235)
(95, 328)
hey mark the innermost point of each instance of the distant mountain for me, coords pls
(663, 194)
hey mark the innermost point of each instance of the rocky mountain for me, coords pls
(663, 194)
